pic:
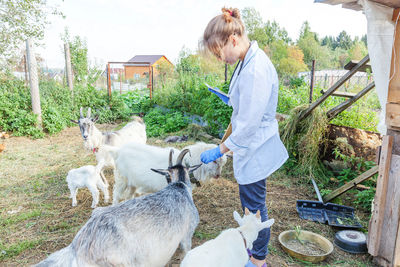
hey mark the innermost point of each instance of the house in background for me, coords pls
(140, 66)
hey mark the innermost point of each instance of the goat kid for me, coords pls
(141, 232)
(229, 249)
(91, 177)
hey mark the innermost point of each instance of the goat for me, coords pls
(87, 176)
(94, 139)
(133, 161)
(140, 232)
(228, 249)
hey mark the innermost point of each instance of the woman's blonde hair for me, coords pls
(218, 30)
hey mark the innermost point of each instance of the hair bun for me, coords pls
(230, 13)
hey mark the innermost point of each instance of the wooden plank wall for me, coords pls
(384, 230)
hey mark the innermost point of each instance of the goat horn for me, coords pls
(171, 152)
(88, 112)
(81, 111)
(181, 155)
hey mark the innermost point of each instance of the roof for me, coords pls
(145, 58)
(353, 4)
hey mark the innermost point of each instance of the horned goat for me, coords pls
(87, 176)
(140, 232)
(94, 139)
(133, 162)
(229, 249)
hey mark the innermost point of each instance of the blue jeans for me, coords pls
(252, 196)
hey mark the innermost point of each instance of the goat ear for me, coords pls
(258, 214)
(193, 168)
(237, 218)
(160, 171)
(246, 211)
(95, 118)
(267, 224)
(74, 121)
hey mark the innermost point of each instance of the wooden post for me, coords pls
(375, 224)
(109, 81)
(120, 82)
(226, 72)
(152, 79)
(68, 67)
(312, 80)
(33, 81)
(26, 71)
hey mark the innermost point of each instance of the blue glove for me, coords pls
(224, 98)
(211, 155)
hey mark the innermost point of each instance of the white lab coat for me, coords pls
(255, 142)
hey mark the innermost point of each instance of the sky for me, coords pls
(118, 30)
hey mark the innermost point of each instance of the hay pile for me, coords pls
(305, 141)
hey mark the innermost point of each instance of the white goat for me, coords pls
(94, 139)
(229, 249)
(91, 177)
(133, 162)
(140, 232)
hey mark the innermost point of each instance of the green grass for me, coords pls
(19, 218)
(16, 249)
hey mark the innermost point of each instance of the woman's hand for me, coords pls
(211, 155)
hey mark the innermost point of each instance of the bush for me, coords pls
(159, 122)
(58, 106)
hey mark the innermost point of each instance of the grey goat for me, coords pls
(141, 232)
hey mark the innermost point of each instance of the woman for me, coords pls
(253, 95)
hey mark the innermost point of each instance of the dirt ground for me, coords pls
(36, 216)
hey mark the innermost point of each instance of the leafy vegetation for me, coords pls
(58, 107)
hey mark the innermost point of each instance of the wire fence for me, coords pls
(327, 78)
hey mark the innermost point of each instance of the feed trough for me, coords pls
(305, 245)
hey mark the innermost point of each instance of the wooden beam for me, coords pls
(352, 63)
(343, 106)
(391, 215)
(393, 115)
(340, 93)
(396, 259)
(364, 176)
(394, 82)
(341, 81)
(389, 3)
(375, 223)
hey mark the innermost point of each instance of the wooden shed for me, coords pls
(141, 66)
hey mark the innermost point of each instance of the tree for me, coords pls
(20, 20)
(264, 33)
(275, 32)
(293, 63)
(364, 39)
(252, 20)
(344, 40)
(357, 51)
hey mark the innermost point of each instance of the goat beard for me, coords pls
(89, 145)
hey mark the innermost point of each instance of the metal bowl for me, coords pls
(323, 243)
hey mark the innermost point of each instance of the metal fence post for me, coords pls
(312, 80)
